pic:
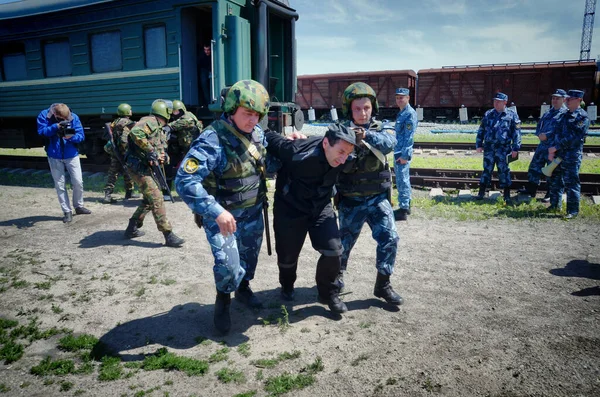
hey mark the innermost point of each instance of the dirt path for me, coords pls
(494, 308)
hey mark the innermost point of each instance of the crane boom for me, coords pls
(586, 32)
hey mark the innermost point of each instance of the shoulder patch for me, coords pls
(147, 129)
(409, 126)
(191, 165)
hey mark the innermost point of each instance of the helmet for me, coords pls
(162, 108)
(178, 105)
(124, 110)
(248, 94)
(355, 91)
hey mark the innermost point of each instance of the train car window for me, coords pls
(14, 63)
(155, 47)
(106, 52)
(57, 58)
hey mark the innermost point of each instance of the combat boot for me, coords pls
(132, 231)
(530, 189)
(401, 214)
(129, 195)
(222, 319)
(172, 240)
(340, 281)
(108, 197)
(481, 193)
(507, 195)
(546, 198)
(245, 295)
(335, 303)
(383, 289)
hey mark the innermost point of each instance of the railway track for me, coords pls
(527, 147)
(419, 177)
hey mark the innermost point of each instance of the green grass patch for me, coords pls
(49, 367)
(167, 361)
(588, 165)
(278, 385)
(471, 210)
(470, 138)
(220, 355)
(316, 366)
(110, 369)
(32, 331)
(227, 375)
(74, 343)
(250, 393)
(11, 352)
(4, 388)
(272, 362)
(244, 349)
(6, 323)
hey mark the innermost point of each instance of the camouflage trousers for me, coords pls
(538, 161)
(495, 156)
(377, 212)
(249, 235)
(153, 201)
(402, 172)
(114, 170)
(565, 178)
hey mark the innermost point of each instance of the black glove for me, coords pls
(199, 221)
(152, 157)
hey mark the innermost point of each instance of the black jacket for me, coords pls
(305, 180)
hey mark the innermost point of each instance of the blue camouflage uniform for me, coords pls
(406, 124)
(568, 139)
(499, 134)
(364, 187)
(217, 174)
(546, 126)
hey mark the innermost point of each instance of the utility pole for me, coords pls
(586, 32)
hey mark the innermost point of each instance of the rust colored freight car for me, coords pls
(440, 92)
(322, 91)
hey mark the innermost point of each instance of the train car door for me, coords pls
(195, 55)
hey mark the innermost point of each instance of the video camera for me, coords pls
(65, 130)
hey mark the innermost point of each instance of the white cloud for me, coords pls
(444, 7)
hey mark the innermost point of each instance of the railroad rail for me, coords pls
(419, 177)
(526, 147)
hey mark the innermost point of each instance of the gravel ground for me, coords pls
(492, 308)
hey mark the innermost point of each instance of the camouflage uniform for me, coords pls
(120, 131)
(184, 130)
(568, 139)
(145, 137)
(219, 173)
(406, 124)
(498, 135)
(546, 126)
(364, 187)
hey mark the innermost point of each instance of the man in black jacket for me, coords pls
(305, 181)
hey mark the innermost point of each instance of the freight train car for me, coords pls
(324, 91)
(95, 54)
(441, 92)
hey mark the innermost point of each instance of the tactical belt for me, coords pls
(366, 187)
(235, 198)
(230, 184)
(352, 178)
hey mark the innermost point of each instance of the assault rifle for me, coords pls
(158, 174)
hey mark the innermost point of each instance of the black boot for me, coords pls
(546, 198)
(129, 195)
(287, 278)
(507, 195)
(222, 319)
(481, 193)
(401, 214)
(132, 231)
(108, 197)
(245, 295)
(340, 281)
(334, 302)
(172, 240)
(383, 289)
(530, 189)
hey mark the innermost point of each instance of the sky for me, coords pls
(368, 35)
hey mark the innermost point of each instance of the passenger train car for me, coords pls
(95, 54)
(441, 92)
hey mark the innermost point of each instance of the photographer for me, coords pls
(63, 131)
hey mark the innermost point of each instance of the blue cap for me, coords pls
(402, 91)
(501, 97)
(575, 94)
(561, 93)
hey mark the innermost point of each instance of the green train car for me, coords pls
(94, 55)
